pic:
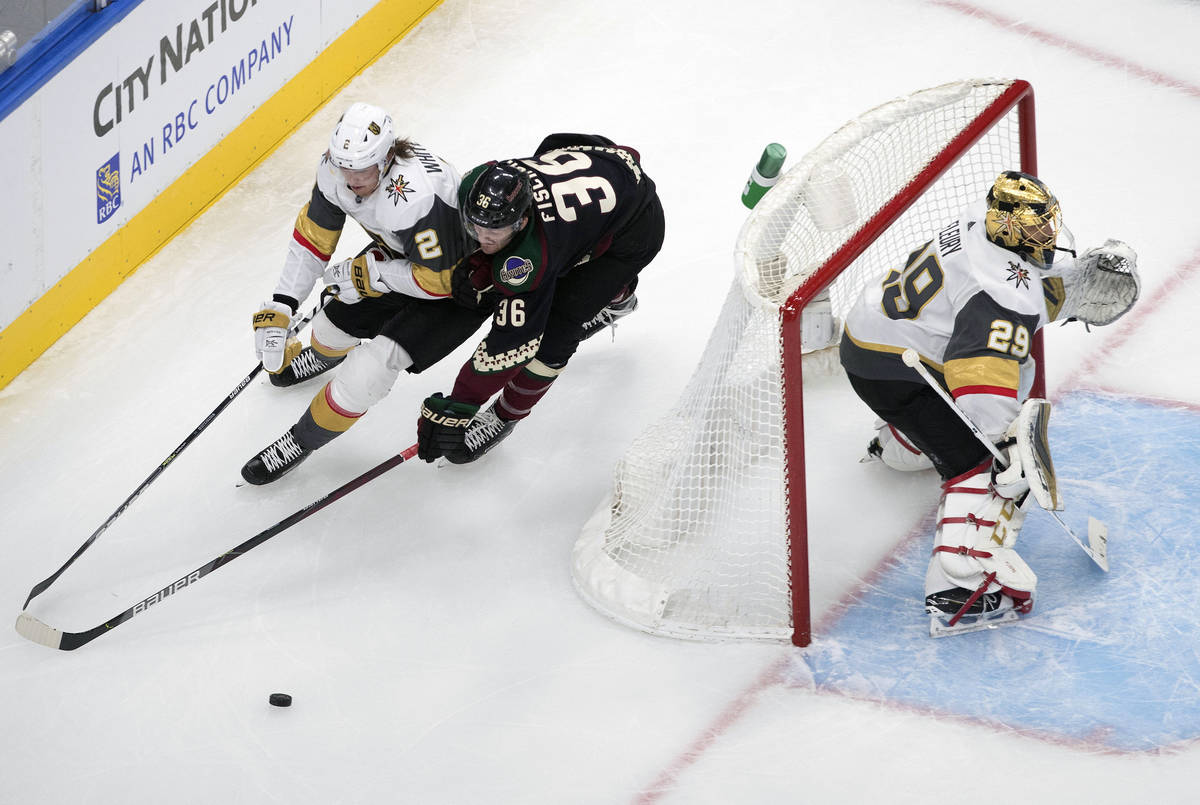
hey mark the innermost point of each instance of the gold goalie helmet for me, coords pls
(1023, 216)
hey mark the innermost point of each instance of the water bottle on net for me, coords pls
(764, 175)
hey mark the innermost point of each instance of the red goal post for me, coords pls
(705, 533)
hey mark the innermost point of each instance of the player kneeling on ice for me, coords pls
(395, 294)
(966, 305)
(562, 238)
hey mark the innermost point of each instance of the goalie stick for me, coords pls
(1097, 531)
(44, 584)
(33, 629)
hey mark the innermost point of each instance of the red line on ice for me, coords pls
(667, 778)
(1131, 323)
(1077, 48)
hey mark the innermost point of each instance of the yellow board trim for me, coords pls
(198, 188)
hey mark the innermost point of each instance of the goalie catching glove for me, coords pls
(274, 345)
(442, 428)
(1101, 286)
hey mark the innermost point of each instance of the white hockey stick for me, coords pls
(1097, 531)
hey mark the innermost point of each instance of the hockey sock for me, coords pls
(523, 391)
(323, 421)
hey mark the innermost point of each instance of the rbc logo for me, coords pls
(108, 188)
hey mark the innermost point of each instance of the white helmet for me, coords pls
(363, 137)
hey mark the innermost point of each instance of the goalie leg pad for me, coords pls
(976, 532)
(367, 375)
(894, 450)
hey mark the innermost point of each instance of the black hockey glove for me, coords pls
(471, 284)
(442, 428)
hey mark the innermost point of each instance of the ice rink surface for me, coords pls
(426, 624)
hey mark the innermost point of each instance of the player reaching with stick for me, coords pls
(394, 294)
(562, 236)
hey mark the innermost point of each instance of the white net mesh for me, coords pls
(694, 539)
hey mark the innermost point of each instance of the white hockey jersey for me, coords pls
(412, 216)
(968, 306)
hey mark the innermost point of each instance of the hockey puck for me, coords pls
(280, 699)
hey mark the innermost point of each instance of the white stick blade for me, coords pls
(1098, 539)
(33, 629)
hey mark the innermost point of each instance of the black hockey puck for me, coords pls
(280, 699)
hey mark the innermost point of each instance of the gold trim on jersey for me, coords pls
(1055, 293)
(888, 348)
(965, 373)
(430, 281)
(322, 239)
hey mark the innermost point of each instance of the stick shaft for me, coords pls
(44, 584)
(39, 632)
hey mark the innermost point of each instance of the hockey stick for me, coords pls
(1097, 531)
(33, 629)
(42, 586)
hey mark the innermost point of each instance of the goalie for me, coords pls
(969, 302)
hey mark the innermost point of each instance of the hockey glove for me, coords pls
(442, 428)
(351, 280)
(471, 286)
(272, 344)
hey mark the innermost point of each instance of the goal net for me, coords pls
(704, 534)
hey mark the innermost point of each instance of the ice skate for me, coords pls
(305, 366)
(949, 613)
(609, 315)
(278, 459)
(485, 432)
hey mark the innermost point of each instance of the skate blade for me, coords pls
(939, 626)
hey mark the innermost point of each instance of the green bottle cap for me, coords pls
(771, 161)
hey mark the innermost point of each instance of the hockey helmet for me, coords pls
(363, 137)
(499, 198)
(1023, 216)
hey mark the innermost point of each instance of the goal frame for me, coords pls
(1019, 95)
